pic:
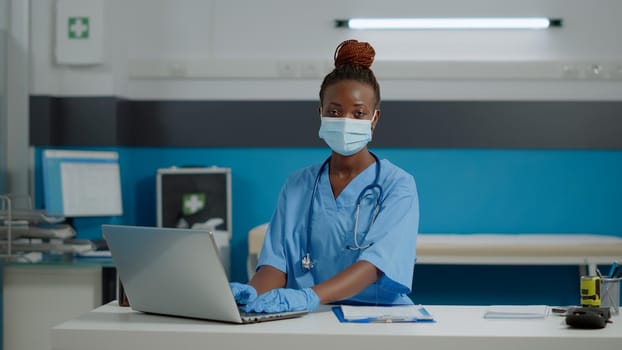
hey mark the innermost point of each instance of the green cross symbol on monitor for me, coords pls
(192, 203)
(78, 28)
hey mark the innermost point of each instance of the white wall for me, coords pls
(193, 49)
(15, 137)
(4, 18)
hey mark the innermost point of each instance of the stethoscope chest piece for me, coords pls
(307, 263)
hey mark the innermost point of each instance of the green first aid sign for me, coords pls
(192, 203)
(78, 28)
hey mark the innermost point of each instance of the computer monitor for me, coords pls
(194, 198)
(197, 198)
(81, 183)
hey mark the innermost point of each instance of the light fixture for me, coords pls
(450, 23)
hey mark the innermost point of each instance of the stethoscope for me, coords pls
(307, 263)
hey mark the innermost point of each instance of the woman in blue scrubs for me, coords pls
(343, 231)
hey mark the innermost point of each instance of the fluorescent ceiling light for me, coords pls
(449, 23)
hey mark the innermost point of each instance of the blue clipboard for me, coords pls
(339, 314)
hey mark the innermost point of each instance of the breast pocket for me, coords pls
(327, 266)
(332, 232)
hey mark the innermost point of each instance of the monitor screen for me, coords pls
(81, 183)
(194, 198)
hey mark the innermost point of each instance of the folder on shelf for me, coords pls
(51, 231)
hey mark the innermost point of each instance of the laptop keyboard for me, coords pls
(261, 316)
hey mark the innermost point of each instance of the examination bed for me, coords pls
(584, 250)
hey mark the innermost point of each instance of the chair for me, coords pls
(255, 242)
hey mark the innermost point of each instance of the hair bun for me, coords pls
(355, 53)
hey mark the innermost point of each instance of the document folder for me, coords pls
(382, 314)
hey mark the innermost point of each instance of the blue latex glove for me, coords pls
(284, 299)
(243, 293)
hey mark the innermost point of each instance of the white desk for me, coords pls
(457, 327)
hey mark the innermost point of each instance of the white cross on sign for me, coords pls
(193, 203)
(78, 27)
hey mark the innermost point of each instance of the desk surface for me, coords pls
(113, 327)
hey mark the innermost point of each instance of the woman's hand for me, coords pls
(243, 293)
(285, 299)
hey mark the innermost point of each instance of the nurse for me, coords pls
(343, 231)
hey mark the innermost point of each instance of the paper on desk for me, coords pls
(401, 313)
(516, 311)
(95, 254)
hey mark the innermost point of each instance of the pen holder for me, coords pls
(610, 294)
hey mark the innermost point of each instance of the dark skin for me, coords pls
(344, 99)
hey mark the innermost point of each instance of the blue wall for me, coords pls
(461, 191)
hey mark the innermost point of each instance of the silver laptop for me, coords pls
(176, 272)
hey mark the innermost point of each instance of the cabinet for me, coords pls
(35, 297)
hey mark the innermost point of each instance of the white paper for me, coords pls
(516, 311)
(91, 189)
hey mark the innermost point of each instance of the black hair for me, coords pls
(353, 60)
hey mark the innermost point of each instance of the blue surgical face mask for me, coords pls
(345, 136)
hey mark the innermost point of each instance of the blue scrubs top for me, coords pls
(393, 234)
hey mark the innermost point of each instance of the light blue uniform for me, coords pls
(393, 234)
